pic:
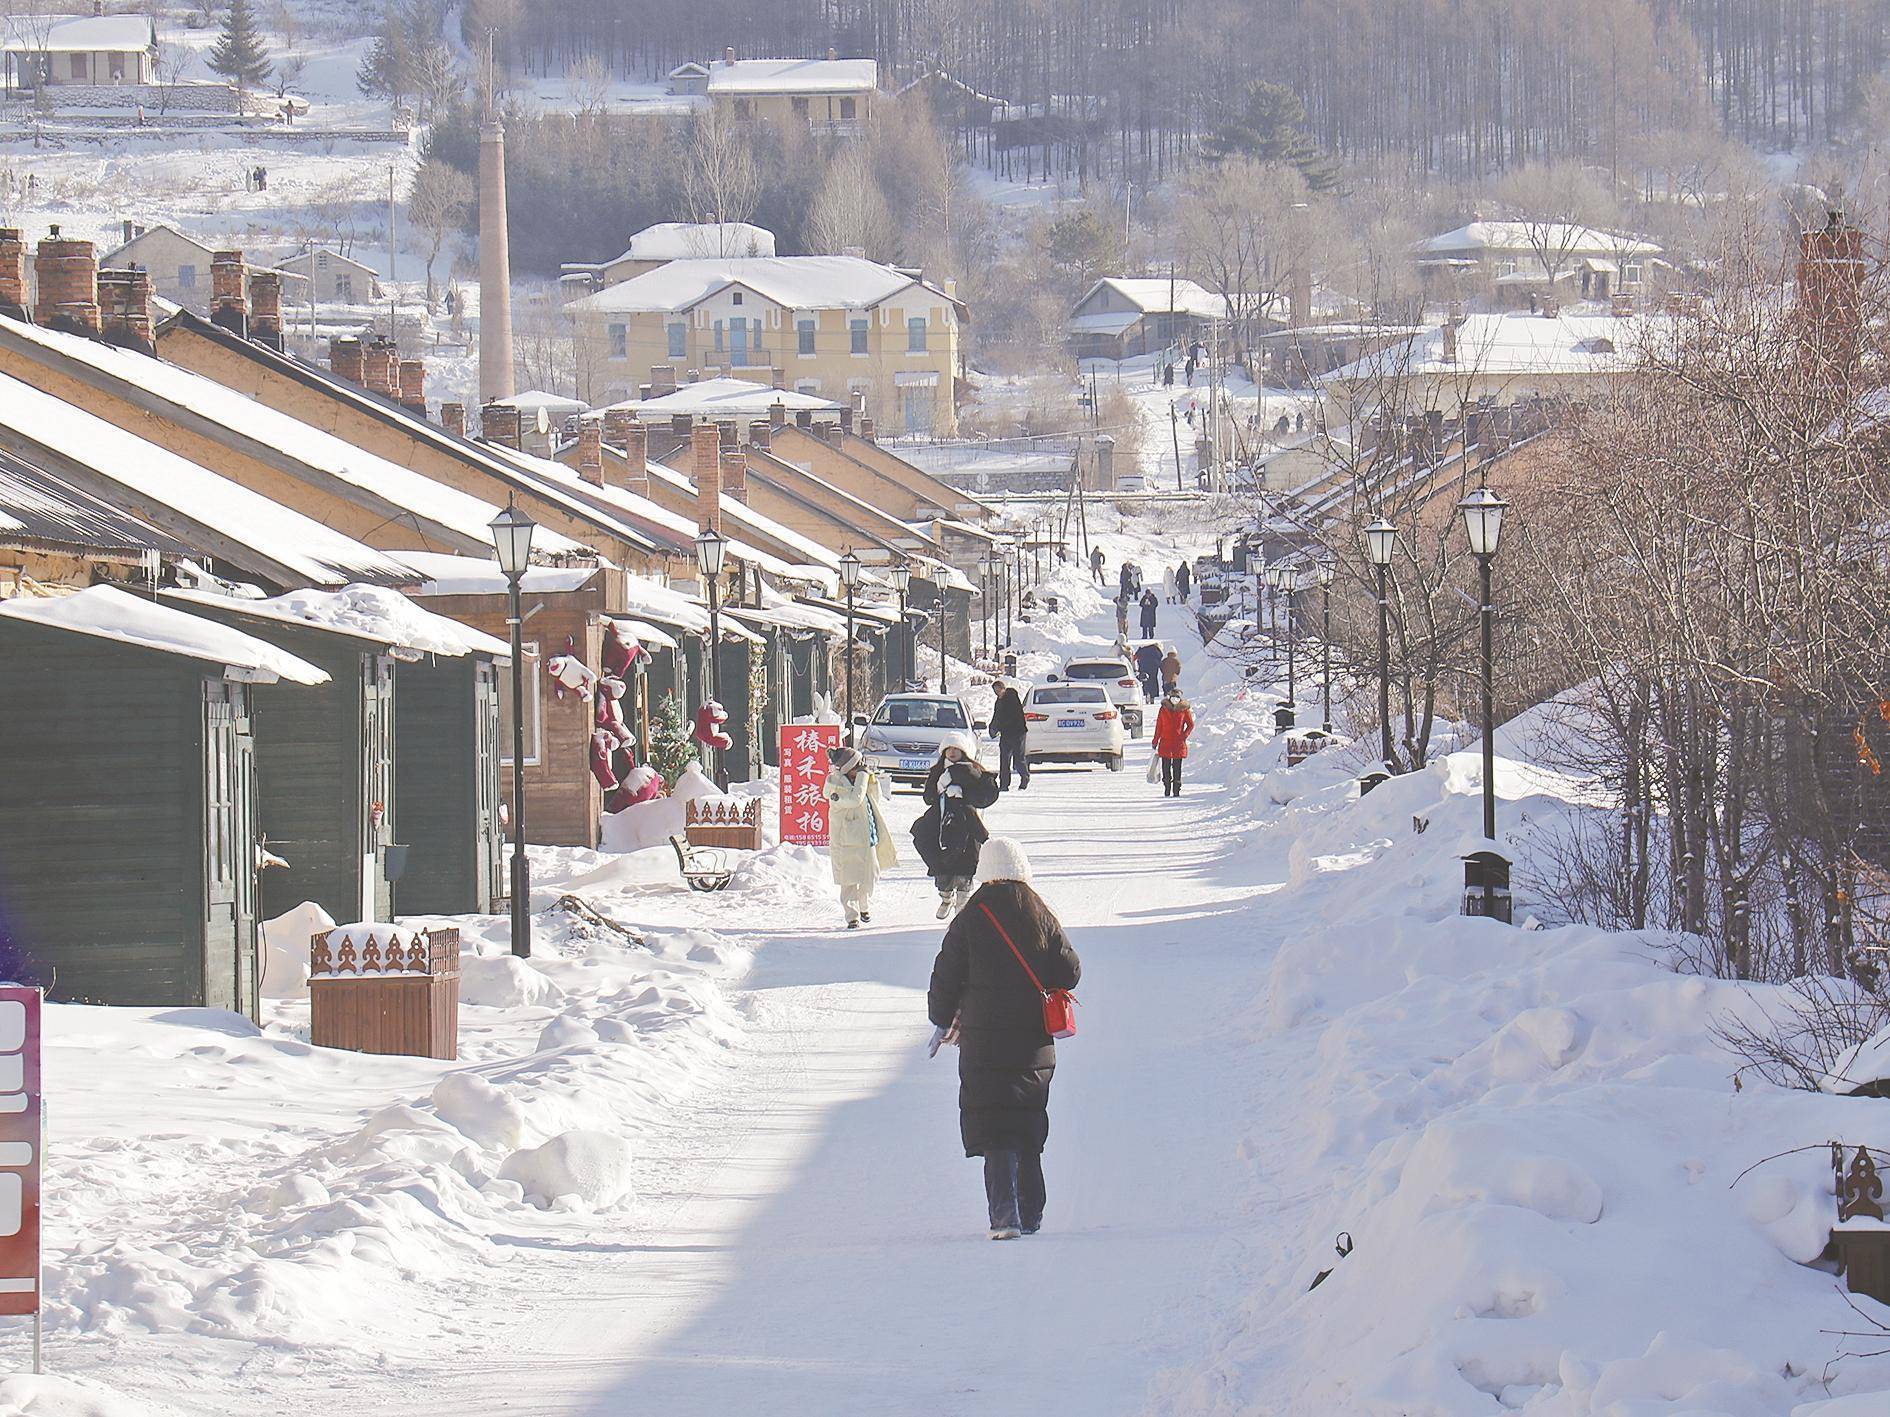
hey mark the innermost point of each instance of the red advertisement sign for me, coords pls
(19, 1149)
(804, 781)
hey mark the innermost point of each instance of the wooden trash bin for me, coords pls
(732, 825)
(382, 989)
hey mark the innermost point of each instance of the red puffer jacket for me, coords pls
(1172, 727)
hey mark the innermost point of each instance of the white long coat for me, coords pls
(859, 839)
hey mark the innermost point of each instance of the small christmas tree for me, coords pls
(671, 747)
(239, 55)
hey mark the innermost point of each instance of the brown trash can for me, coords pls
(395, 992)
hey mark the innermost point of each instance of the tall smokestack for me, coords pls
(495, 269)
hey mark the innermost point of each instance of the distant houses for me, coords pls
(1517, 261)
(59, 51)
(830, 97)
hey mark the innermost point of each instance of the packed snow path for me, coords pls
(822, 1250)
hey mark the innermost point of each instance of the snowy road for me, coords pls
(822, 1249)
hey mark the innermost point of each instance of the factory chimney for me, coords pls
(495, 269)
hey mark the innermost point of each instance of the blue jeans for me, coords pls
(1013, 1186)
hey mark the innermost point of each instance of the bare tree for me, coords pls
(1250, 230)
(1556, 205)
(848, 211)
(724, 180)
(438, 202)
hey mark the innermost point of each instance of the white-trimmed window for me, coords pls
(619, 341)
(804, 336)
(533, 710)
(857, 328)
(678, 339)
(915, 334)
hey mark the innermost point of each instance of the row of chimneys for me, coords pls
(375, 364)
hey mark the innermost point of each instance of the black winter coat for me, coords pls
(1005, 1059)
(1007, 716)
(950, 832)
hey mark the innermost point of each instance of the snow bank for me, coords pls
(593, 1167)
(64, 1397)
(286, 943)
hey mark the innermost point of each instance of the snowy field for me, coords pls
(1286, 1032)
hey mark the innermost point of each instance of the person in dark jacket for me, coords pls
(1184, 574)
(1148, 668)
(950, 831)
(1009, 728)
(982, 998)
(1150, 604)
(1096, 563)
(1125, 578)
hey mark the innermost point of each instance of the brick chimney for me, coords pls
(498, 423)
(381, 368)
(735, 475)
(866, 428)
(265, 308)
(804, 418)
(1451, 320)
(453, 418)
(634, 441)
(777, 413)
(760, 432)
(726, 428)
(347, 359)
(662, 379)
(124, 302)
(1831, 273)
(12, 272)
(412, 376)
(846, 423)
(680, 424)
(229, 292)
(705, 448)
(590, 445)
(68, 284)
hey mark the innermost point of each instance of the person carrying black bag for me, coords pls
(950, 831)
(1010, 730)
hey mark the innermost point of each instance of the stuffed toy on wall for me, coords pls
(709, 731)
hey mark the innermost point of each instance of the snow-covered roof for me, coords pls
(162, 228)
(1511, 344)
(446, 507)
(687, 240)
(60, 34)
(725, 398)
(1157, 294)
(480, 575)
(793, 282)
(1109, 322)
(793, 76)
(157, 478)
(302, 258)
(364, 612)
(669, 606)
(110, 614)
(1517, 236)
(818, 564)
(533, 399)
(645, 633)
(38, 507)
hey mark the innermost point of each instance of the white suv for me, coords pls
(903, 739)
(1117, 677)
(1072, 723)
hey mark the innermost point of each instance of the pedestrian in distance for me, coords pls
(1096, 564)
(1122, 614)
(1125, 578)
(1001, 954)
(1171, 671)
(1151, 603)
(1011, 731)
(1148, 668)
(1168, 584)
(1183, 578)
(860, 842)
(1174, 725)
(950, 831)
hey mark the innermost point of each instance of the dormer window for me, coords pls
(736, 299)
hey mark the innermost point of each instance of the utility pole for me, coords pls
(1174, 432)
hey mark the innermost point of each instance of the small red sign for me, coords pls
(804, 748)
(19, 1149)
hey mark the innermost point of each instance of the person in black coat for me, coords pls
(1010, 730)
(982, 999)
(1148, 668)
(949, 833)
(1183, 576)
(1150, 603)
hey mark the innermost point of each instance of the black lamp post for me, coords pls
(1010, 600)
(1381, 544)
(1483, 520)
(987, 568)
(901, 578)
(849, 577)
(512, 545)
(711, 551)
(943, 606)
(1325, 644)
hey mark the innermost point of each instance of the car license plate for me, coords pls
(915, 764)
(1072, 723)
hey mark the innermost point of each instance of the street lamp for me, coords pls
(1285, 578)
(849, 577)
(901, 578)
(943, 605)
(512, 545)
(711, 551)
(1005, 549)
(1381, 544)
(1483, 520)
(987, 569)
(1325, 643)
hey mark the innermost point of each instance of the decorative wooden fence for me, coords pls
(725, 822)
(385, 990)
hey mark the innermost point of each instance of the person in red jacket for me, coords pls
(1174, 721)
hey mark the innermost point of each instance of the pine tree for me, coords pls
(1271, 126)
(387, 69)
(239, 55)
(671, 747)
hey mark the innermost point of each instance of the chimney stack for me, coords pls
(498, 423)
(760, 433)
(705, 445)
(412, 374)
(735, 475)
(453, 418)
(679, 424)
(495, 271)
(1831, 273)
(846, 424)
(1451, 320)
(777, 414)
(725, 428)
(265, 308)
(590, 445)
(634, 440)
(229, 292)
(380, 368)
(128, 230)
(804, 418)
(866, 428)
(68, 284)
(12, 272)
(124, 302)
(662, 380)
(347, 359)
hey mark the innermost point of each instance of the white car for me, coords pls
(1072, 723)
(1117, 676)
(902, 739)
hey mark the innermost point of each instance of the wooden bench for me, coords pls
(704, 868)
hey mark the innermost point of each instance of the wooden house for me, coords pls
(54, 533)
(129, 873)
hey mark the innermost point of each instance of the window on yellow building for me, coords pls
(857, 330)
(915, 335)
(804, 330)
(678, 340)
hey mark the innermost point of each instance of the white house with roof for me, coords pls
(1521, 259)
(332, 278)
(1122, 317)
(722, 400)
(666, 241)
(831, 96)
(60, 50)
(829, 326)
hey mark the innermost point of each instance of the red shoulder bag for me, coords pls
(1059, 1005)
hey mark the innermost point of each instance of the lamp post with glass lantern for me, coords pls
(849, 577)
(901, 578)
(512, 546)
(711, 552)
(1284, 580)
(944, 606)
(1381, 544)
(1483, 520)
(987, 568)
(1325, 644)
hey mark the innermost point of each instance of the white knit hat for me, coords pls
(1002, 858)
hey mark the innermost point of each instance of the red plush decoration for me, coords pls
(709, 731)
(601, 745)
(610, 712)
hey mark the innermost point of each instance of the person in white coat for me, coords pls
(859, 841)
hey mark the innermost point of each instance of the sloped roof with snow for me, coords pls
(39, 34)
(39, 507)
(793, 282)
(1159, 295)
(793, 76)
(110, 614)
(447, 574)
(685, 240)
(533, 399)
(726, 398)
(1517, 236)
(373, 613)
(1512, 345)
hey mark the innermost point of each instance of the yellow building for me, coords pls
(831, 326)
(831, 96)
